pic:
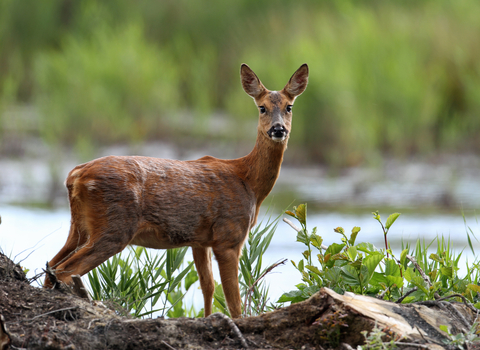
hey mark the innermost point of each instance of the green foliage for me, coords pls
(377, 339)
(393, 77)
(137, 283)
(364, 269)
(253, 287)
(463, 340)
(109, 86)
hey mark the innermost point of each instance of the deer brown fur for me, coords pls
(207, 204)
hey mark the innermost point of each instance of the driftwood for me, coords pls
(38, 318)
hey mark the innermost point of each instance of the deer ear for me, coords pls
(250, 82)
(298, 82)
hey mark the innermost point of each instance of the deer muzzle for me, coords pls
(278, 133)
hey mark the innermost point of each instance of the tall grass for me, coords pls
(387, 78)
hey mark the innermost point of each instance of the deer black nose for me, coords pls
(277, 131)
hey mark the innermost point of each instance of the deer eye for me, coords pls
(262, 109)
(289, 108)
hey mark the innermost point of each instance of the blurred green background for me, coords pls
(388, 78)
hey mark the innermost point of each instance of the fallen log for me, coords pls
(38, 318)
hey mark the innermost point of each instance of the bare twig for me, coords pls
(465, 301)
(399, 301)
(424, 276)
(250, 290)
(167, 345)
(415, 345)
(292, 225)
(421, 334)
(233, 326)
(94, 320)
(454, 311)
(51, 312)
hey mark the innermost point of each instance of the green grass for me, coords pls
(387, 78)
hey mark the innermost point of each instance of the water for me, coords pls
(433, 196)
(32, 237)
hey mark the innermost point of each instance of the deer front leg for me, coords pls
(203, 263)
(228, 265)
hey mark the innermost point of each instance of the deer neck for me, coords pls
(262, 165)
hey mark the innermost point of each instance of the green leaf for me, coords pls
(395, 280)
(391, 268)
(377, 279)
(403, 258)
(292, 214)
(368, 248)
(334, 248)
(436, 258)
(191, 278)
(309, 291)
(420, 283)
(316, 240)
(180, 277)
(333, 275)
(473, 287)
(301, 214)
(447, 271)
(391, 219)
(302, 237)
(313, 269)
(444, 328)
(293, 296)
(409, 274)
(371, 262)
(408, 300)
(219, 299)
(306, 254)
(477, 305)
(354, 277)
(300, 265)
(352, 253)
(354, 234)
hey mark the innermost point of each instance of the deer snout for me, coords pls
(278, 132)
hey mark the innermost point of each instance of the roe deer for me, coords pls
(207, 204)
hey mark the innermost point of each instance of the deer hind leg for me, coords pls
(101, 237)
(203, 263)
(76, 239)
(228, 265)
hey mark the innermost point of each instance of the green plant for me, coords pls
(375, 339)
(342, 267)
(330, 327)
(364, 269)
(139, 281)
(463, 340)
(253, 288)
(368, 57)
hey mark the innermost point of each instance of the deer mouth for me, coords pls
(278, 133)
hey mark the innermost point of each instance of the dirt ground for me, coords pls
(37, 318)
